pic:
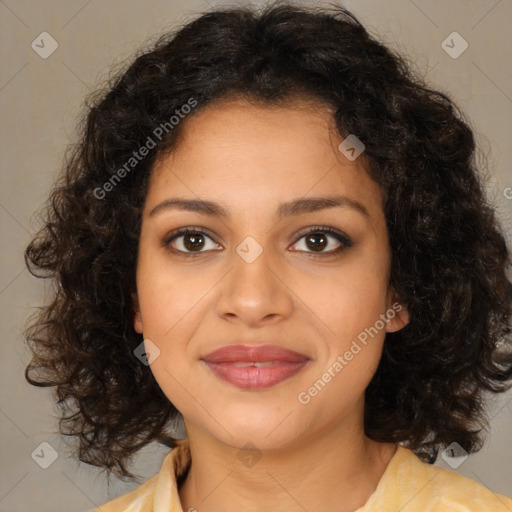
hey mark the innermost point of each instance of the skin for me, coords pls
(251, 158)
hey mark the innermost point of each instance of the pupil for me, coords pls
(320, 244)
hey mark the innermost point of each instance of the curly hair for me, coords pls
(449, 254)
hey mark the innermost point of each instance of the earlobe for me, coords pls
(397, 314)
(137, 315)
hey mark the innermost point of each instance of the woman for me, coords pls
(274, 230)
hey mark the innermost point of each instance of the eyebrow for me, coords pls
(288, 209)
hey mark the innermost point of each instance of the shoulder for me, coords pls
(452, 491)
(142, 497)
(426, 487)
(160, 492)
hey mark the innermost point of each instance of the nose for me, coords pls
(255, 291)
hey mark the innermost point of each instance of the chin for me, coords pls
(267, 430)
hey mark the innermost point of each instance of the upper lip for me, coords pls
(248, 353)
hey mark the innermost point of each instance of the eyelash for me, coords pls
(341, 237)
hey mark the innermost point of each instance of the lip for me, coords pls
(226, 363)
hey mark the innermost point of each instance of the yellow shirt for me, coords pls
(407, 485)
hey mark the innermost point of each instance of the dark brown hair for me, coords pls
(449, 256)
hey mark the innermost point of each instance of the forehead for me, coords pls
(234, 150)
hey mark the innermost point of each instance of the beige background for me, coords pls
(40, 99)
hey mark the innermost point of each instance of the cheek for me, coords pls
(350, 305)
(348, 300)
(169, 295)
(170, 310)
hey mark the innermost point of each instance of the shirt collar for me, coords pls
(175, 464)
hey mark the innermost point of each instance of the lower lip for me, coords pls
(252, 377)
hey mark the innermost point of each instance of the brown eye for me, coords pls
(193, 241)
(317, 239)
(189, 241)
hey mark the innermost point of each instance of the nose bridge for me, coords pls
(251, 273)
(253, 291)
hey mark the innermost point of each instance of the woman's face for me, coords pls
(255, 277)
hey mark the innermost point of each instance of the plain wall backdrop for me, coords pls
(41, 99)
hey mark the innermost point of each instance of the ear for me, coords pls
(137, 315)
(396, 312)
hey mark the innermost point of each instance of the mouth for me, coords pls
(255, 367)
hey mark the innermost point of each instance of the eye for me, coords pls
(317, 239)
(188, 241)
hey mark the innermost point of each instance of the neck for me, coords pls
(337, 469)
